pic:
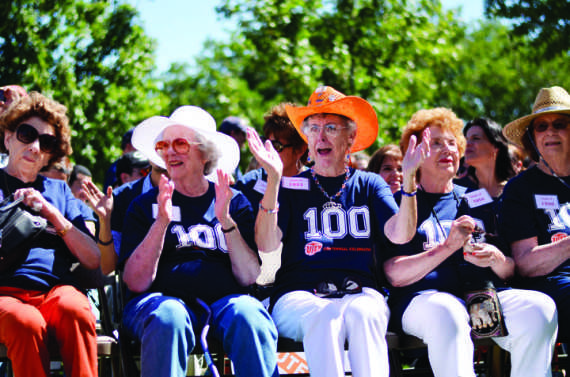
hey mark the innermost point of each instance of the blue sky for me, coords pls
(181, 26)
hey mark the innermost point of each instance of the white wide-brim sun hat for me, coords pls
(149, 132)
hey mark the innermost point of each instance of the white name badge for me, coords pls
(295, 183)
(478, 198)
(176, 216)
(546, 201)
(260, 186)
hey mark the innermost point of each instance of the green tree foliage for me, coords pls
(497, 76)
(399, 55)
(389, 52)
(546, 23)
(89, 55)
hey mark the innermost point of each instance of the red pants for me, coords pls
(29, 318)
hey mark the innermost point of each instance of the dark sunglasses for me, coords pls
(27, 134)
(328, 289)
(277, 145)
(2, 96)
(145, 171)
(179, 145)
(558, 124)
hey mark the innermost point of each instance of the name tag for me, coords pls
(546, 201)
(295, 183)
(176, 216)
(260, 186)
(478, 198)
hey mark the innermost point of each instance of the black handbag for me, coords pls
(18, 228)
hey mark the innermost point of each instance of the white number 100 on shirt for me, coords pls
(337, 222)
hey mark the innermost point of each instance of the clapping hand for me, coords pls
(265, 154)
(164, 198)
(101, 203)
(224, 196)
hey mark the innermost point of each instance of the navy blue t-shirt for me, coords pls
(252, 185)
(536, 204)
(332, 244)
(49, 259)
(454, 275)
(122, 198)
(194, 260)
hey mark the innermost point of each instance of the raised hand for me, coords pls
(265, 154)
(223, 197)
(101, 203)
(416, 154)
(164, 199)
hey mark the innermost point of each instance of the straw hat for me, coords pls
(553, 100)
(326, 99)
(149, 131)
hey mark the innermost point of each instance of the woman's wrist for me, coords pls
(64, 229)
(226, 224)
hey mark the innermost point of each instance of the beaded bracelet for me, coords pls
(270, 211)
(409, 194)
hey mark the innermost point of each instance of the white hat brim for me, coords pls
(149, 131)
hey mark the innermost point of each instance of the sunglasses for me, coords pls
(328, 289)
(278, 146)
(27, 134)
(179, 145)
(558, 124)
(145, 171)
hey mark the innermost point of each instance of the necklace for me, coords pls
(331, 203)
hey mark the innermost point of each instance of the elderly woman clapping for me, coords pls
(332, 219)
(37, 304)
(190, 240)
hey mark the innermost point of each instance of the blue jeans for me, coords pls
(166, 328)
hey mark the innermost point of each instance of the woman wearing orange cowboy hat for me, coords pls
(331, 219)
(535, 216)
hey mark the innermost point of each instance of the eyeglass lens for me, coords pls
(179, 145)
(27, 134)
(558, 124)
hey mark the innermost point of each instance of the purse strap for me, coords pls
(7, 204)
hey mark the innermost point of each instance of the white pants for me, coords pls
(324, 324)
(442, 322)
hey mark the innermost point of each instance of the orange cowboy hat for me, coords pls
(548, 101)
(327, 100)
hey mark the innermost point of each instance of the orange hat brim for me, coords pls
(352, 107)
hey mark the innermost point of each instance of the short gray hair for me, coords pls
(209, 152)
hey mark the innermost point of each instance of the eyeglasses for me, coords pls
(27, 134)
(179, 145)
(558, 124)
(330, 129)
